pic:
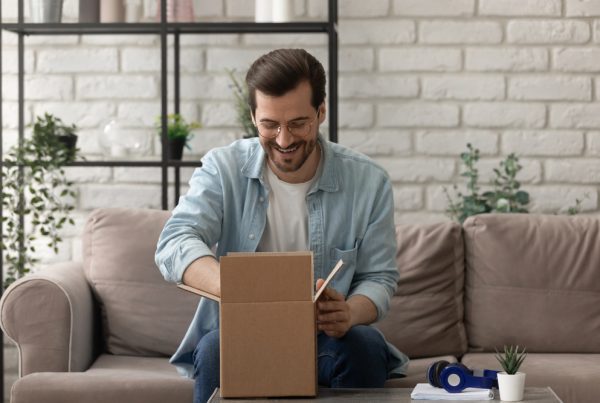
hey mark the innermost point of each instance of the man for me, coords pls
(290, 190)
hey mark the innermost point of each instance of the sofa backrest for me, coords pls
(533, 280)
(142, 314)
(426, 313)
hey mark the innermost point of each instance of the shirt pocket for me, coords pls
(342, 280)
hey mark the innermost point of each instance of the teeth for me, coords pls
(287, 150)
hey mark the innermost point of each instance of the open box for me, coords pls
(268, 324)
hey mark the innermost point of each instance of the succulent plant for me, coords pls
(511, 359)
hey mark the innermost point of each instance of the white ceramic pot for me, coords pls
(283, 10)
(511, 387)
(46, 11)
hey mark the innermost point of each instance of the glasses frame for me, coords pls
(279, 125)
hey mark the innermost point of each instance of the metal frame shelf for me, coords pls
(164, 29)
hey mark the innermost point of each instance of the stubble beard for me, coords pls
(287, 166)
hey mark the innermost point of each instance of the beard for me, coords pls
(296, 160)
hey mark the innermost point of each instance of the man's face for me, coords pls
(289, 153)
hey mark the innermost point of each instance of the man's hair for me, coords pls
(281, 70)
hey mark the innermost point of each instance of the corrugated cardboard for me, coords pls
(268, 324)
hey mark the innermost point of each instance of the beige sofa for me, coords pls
(101, 330)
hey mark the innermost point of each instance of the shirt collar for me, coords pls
(328, 182)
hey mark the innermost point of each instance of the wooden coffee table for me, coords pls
(396, 395)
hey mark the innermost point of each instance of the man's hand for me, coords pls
(333, 312)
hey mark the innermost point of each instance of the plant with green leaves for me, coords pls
(511, 359)
(37, 197)
(242, 107)
(506, 196)
(178, 128)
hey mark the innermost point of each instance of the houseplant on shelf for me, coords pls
(511, 382)
(179, 132)
(242, 108)
(36, 188)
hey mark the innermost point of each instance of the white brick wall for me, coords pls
(418, 80)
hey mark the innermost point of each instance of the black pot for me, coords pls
(70, 142)
(175, 148)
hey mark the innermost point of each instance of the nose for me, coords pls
(285, 138)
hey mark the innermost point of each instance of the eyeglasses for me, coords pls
(298, 128)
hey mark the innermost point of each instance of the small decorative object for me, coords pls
(283, 10)
(119, 141)
(179, 132)
(177, 11)
(112, 11)
(89, 11)
(242, 108)
(36, 187)
(263, 10)
(46, 11)
(511, 383)
(133, 10)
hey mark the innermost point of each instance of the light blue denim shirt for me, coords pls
(350, 217)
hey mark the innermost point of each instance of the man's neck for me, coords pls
(306, 172)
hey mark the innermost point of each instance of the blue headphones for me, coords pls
(456, 377)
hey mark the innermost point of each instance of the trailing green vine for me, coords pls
(35, 187)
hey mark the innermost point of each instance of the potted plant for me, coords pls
(179, 132)
(511, 382)
(37, 197)
(242, 108)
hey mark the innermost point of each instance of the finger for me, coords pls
(331, 306)
(319, 284)
(333, 294)
(332, 317)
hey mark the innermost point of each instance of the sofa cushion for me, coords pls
(533, 280)
(426, 313)
(110, 379)
(142, 314)
(573, 377)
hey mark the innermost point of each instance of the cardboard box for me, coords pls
(268, 324)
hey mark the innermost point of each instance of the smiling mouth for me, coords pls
(287, 150)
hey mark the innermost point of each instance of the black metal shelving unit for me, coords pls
(164, 29)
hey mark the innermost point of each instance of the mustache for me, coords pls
(274, 144)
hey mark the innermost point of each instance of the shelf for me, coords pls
(129, 163)
(139, 164)
(156, 28)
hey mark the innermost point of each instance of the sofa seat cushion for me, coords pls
(110, 379)
(417, 370)
(573, 377)
(142, 314)
(533, 280)
(425, 318)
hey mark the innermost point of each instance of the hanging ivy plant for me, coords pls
(35, 187)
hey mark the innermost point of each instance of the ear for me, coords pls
(322, 112)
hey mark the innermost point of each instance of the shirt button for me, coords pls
(251, 236)
(261, 199)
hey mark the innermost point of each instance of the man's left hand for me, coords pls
(333, 312)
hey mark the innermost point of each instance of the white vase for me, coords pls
(283, 10)
(263, 11)
(46, 11)
(511, 387)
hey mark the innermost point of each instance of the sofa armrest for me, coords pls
(49, 315)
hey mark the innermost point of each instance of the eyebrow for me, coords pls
(291, 120)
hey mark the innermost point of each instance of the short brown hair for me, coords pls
(281, 70)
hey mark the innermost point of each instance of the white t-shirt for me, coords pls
(286, 229)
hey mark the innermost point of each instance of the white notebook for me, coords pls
(424, 391)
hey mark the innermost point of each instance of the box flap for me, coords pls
(336, 270)
(267, 277)
(199, 292)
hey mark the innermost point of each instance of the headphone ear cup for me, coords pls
(434, 371)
